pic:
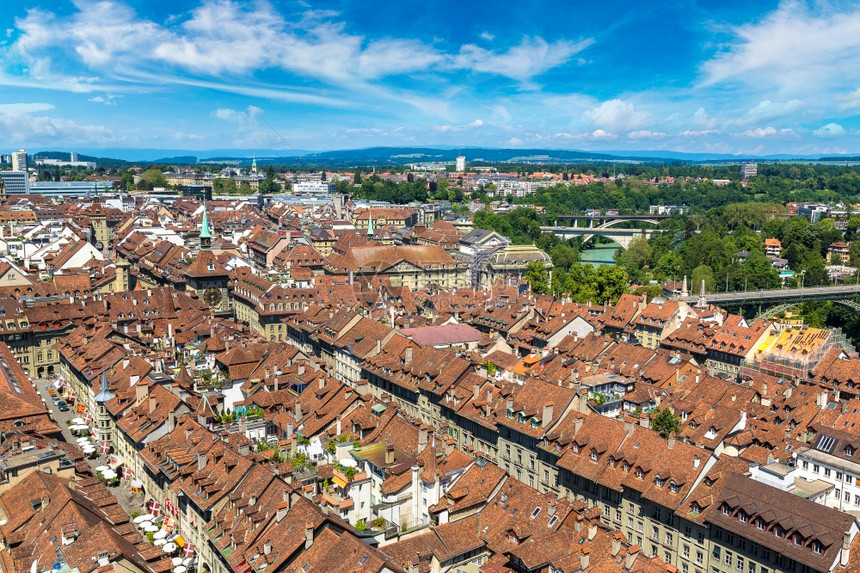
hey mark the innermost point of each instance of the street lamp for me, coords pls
(802, 275)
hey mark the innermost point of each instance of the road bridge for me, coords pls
(621, 236)
(775, 300)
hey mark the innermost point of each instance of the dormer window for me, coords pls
(639, 473)
(742, 517)
(659, 481)
(798, 540)
(211, 266)
(759, 523)
(816, 548)
(575, 449)
(725, 509)
(593, 456)
(626, 467)
(849, 451)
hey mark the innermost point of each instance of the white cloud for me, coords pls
(22, 108)
(645, 134)
(239, 117)
(767, 110)
(531, 57)
(108, 99)
(515, 141)
(616, 115)
(795, 49)
(27, 127)
(602, 134)
(462, 127)
(830, 129)
(487, 36)
(760, 132)
(851, 100)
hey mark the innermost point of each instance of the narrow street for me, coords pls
(128, 501)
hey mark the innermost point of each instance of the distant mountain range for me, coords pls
(408, 155)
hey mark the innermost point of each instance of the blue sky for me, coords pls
(685, 75)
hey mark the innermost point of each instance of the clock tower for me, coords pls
(206, 276)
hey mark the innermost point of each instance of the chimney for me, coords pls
(632, 553)
(488, 406)
(670, 442)
(422, 439)
(822, 399)
(301, 369)
(389, 455)
(378, 345)
(171, 421)
(592, 531)
(584, 558)
(577, 425)
(321, 382)
(283, 509)
(616, 543)
(298, 414)
(201, 462)
(408, 356)
(412, 567)
(546, 418)
(846, 549)
(645, 421)
(476, 389)
(696, 462)
(294, 439)
(267, 547)
(309, 535)
(577, 525)
(141, 391)
(152, 404)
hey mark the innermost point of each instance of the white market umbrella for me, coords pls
(180, 569)
(102, 468)
(151, 528)
(142, 518)
(169, 547)
(78, 421)
(160, 534)
(159, 542)
(109, 474)
(176, 561)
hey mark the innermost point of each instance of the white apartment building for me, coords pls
(833, 458)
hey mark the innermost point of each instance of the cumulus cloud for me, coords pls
(462, 127)
(617, 116)
(851, 100)
(645, 134)
(239, 117)
(760, 132)
(830, 129)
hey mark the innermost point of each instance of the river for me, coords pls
(600, 255)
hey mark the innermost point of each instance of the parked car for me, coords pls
(52, 392)
(62, 406)
(56, 400)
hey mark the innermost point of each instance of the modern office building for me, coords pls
(16, 182)
(460, 163)
(19, 160)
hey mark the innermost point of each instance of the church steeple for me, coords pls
(254, 163)
(369, 221)
(205, 235)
